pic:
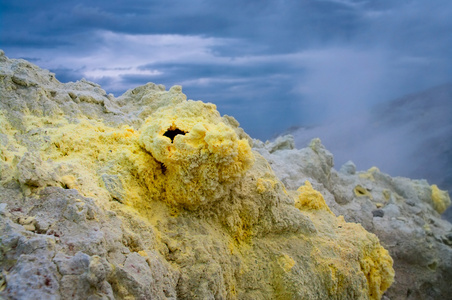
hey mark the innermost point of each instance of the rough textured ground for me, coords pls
(403, 213)
(151, 196)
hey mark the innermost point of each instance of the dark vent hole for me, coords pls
(163, 168)
(172, 133)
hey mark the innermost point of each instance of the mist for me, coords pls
(410, 136)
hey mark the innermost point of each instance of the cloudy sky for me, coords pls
(271, 64)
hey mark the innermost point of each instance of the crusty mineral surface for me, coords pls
(151, 196)
(403, 213)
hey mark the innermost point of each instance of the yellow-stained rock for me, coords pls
(200, 155)
(362, 192)
(336, 250)
(369, 174)
(310, 199)
(441, 199)
(185, 157)
(179, 196)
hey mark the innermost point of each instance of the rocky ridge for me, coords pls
(151, 196)
(405, 214)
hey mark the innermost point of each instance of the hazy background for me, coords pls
(325, 65)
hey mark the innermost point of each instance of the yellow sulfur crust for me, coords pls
(206, 156)
(309, 198)
(375, 261)
(213, 202)
(441, 199)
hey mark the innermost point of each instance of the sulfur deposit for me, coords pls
(403, 213)
(201, 157)
(151, 196)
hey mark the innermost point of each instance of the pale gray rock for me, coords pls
(309, 164)
(399, 211)
(348, 168)
(70, 253)
(114, 187)
(285, 142)
(33, 278)
(34, 172)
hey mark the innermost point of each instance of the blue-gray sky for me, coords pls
(271, 64)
